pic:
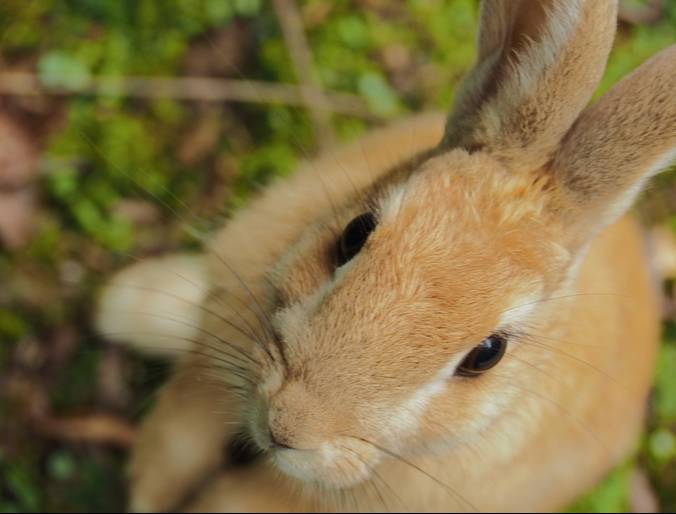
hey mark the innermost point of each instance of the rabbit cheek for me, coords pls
(405, 420)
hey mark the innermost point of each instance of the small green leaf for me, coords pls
(353, 32)
(12, 327)
(247, 7)
(665, 390)
(378, 93)
(611, 495)
(218, 11)
(662, 445)
(63, 182)
(61, 466)
(60, 70)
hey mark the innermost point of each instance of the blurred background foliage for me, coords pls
(90, 182)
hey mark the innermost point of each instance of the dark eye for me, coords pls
(354, 236)
(486, 355)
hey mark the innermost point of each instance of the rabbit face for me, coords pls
(456, 252)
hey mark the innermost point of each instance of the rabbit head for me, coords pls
(394, 313)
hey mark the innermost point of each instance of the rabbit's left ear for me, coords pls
(538, 64)
(616, 145)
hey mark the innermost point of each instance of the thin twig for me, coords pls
(642, 496)
(649, 13)
(92, 428)
(189, 88)
(301, 56)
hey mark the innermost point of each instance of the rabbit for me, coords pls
(450, 314)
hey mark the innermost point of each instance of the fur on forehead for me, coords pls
(474, 186)
(469, 203)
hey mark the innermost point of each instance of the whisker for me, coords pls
(351, 491)
(557, 340)
(398, 457)
(254, 336)
(263, 318)
(563, 410)
(200, 329)
(525, 340)
(195, 342)
(212, 362)
(133, 179)
(217, 315)
(562, 297)
(379, 477)
(334, 208)
(209, 372)
(375, 474)
(235, 311)
(223, 365)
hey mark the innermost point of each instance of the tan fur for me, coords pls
(492, 231)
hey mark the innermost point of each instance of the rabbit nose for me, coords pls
(283, 430)
(278, 443)
(295, 419)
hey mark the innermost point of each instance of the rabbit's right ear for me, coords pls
(538, 63)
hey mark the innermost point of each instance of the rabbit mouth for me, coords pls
(339, 464)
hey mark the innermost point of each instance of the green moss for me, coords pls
(76, 386)
(18, 480)
(12, 326)
(665, 385)
(609, 496)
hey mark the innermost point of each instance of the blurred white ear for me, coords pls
(155, 305)
(663, 246)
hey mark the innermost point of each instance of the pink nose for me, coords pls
(295, 419)
(278, 443)
(280, 428)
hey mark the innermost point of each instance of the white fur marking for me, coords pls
(521, 310)
(405, 418)
(393, 202)
(298, 313)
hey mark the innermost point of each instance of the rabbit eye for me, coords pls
(354, 237)
(482, 358)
